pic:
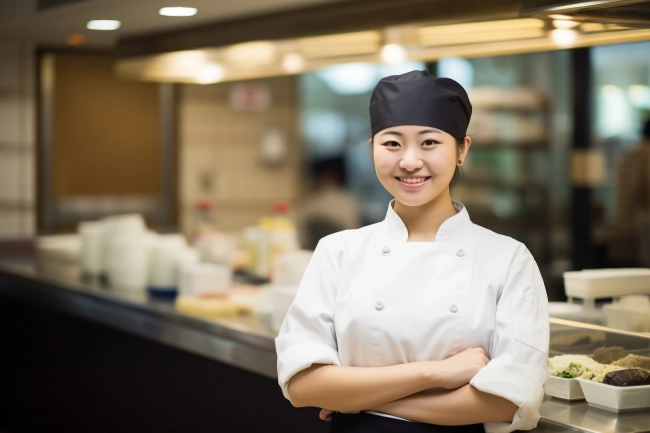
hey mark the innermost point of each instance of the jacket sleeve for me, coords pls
(518, 366)
(307, 335)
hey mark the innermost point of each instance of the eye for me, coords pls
(391, 144)
(429, 143)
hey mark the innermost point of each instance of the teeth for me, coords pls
(412, 179)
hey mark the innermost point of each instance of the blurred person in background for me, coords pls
(629, 234)
(331, 208)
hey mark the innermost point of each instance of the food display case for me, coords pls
(588, 405)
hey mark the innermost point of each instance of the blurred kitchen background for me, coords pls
(215, 118)
(167, 168)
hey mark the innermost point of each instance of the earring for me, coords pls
(460, 162)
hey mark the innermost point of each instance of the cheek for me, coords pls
(384, 163)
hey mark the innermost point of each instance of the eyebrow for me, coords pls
(424, 131)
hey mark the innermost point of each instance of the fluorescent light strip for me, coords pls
(486, 26)
(471, 38)
(103, 25)
(178, 12)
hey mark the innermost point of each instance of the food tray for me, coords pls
(566, 389)
(616, 398)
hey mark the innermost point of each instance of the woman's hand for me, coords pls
(326, 414)
(459, 369)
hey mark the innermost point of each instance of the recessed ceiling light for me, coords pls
(293, 63)
(178, 12)
(103, 25)
(564, 37)
(210, 73)
(393, 53)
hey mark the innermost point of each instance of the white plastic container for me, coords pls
(166, 252)
(605, 283)
(616, 398)
(91, 233)
(289, 268)
(205, 279)
(566, 389)
(631, 313)
(281, 297)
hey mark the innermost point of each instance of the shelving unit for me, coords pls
(505, 188)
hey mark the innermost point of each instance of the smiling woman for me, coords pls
(424, 322)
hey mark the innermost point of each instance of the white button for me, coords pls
(379, 305)
(453, 308)
(460, 253)
(385, 250)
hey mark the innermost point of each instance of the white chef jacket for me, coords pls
(369, 298)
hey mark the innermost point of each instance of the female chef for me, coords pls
(424, 321)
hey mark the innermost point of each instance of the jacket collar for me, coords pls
(452, 226)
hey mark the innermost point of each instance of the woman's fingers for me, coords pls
(326, 414)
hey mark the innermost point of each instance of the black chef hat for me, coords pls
(418, 98)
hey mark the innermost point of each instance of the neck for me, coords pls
(423, 222)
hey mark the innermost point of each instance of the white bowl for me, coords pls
(566, 389)
(616, 398)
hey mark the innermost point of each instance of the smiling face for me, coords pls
(416, 163)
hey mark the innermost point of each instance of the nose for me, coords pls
(411, 160)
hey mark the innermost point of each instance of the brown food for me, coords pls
(607, 355)
(577, 341)
(629, 377)
(634, 361)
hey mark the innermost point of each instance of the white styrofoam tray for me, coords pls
(616, 398)
(606, 283)
(566, 389)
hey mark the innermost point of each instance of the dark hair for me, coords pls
(458, 177)
(646, 129)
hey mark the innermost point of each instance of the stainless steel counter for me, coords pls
(243, 341)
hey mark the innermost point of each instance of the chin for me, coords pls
(414, 200)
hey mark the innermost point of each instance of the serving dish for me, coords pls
(565, 389)
(616, 398)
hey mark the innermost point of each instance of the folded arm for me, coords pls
(461, 406)
(359, 388)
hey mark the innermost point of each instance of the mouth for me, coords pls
(413, 182)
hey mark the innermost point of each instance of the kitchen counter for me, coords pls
(245, 342)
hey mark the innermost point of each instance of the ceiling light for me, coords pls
(210, 73)
(393, 53)
(343, 44)
(103, 25)
(259, 52)
(564, 24)
(480, 32)
(293, 63)
(564, 37)
(178, 12)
